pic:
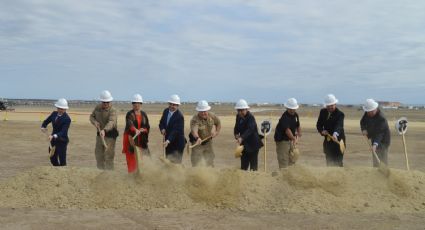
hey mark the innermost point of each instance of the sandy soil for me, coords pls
(34, 195)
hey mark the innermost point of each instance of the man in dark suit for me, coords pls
(59, 137)
(171, 126)
(374, 126)
(330, 125)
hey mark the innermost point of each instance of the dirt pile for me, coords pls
(297, 189)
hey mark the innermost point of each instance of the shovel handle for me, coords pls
(202, 141)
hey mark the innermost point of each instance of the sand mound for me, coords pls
(297, 189)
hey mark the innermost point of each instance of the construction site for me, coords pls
(165, 196)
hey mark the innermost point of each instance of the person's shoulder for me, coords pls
(195, 118)
(339, 112)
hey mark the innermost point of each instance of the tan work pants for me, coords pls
(105, 157)
(203, 152)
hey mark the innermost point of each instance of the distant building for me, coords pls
(389, 104)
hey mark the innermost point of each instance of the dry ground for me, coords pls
(24, 147)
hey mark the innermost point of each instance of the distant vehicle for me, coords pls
(3, 106)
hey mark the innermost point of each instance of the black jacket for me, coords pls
(377, 128)
(286, 121)
(174, 131)
(60, 126)
(131, 121)
(247, 129)
(333, 122)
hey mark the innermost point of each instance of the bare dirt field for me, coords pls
(34, 195)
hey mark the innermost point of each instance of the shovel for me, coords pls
(103, 139)
(340, 143)
(52, 149)
(202, 141)
(383, 168)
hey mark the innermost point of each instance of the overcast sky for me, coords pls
(223, 50)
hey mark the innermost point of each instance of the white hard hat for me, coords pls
(241, 104)
(370, 105)
(291, 103)
(105, 96)
(330, 99)
(174, 99)
(62, 103)
(203, 106)
(137, 98)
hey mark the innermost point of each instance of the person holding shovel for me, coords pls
(104, 118)
(136, 133)
(59, 137)
(374, 126)
(171, 126)
(246, 134)
(330, 125)
(204, 126)
(287, 133)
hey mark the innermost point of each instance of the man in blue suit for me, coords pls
(171, 126)
(59, 137)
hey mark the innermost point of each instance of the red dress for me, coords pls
(130, 156)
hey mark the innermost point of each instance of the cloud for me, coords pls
(288, 48)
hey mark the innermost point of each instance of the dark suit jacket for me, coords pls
(247, 129)
(60, 126)
(174, 131)
(377, 128)
(333, 122)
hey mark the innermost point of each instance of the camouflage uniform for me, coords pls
(205, 150)
(107, 119)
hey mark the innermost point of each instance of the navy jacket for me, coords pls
(377, 128)
(333, 122)
(60, 125)
(247, 129)
(174, 131)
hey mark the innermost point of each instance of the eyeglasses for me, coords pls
(134, 103)
(105, 102)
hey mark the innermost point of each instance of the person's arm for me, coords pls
(47, 121)
(250, 129)
(363, 124)
(217, 125)
(162, 123)
(382, 128)
(319, 123)
(339, 126)
(148, 127)
(93, 120)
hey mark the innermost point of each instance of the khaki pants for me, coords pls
(105, 159)
(282, 150)
(203, 152)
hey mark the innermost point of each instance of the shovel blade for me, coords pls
(52, 151)
(342, 146)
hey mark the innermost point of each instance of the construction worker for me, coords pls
(137, 124)
(171, 126)
(204, 126)
(104, 118)
(287, 133)
(330, 125)
(374, 126)
(59, 136)
(246, 134)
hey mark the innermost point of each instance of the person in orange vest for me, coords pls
(137, 124)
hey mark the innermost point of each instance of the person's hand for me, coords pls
(324, 133)
(143, 130)
(214, 133)
(163, 131)
(166, 143)
(198, 141)
(43, 130)
(50, 137)
(137, 132)
(102, 133)
(335, 138)
(97, 124)
(374, 147)
(295, 141)
(239, 140)
(364, 132)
